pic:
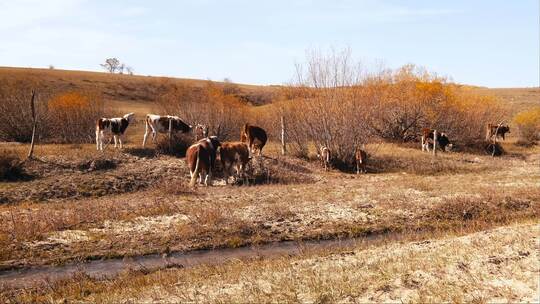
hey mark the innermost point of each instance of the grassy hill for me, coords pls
(133, 92)
(137, 93)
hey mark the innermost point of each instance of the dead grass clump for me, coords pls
(494, 149)
(11, 167)
(279, 170)
(97, 164)
(488, 210)
(174, 187)
(177, 145)
(142, 152)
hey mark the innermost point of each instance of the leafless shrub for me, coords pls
(177, 145)
(223, 114)
(11, 167)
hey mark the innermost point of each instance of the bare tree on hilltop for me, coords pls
(113, 65)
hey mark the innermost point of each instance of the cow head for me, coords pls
(129, 117)
(444, 142)
(215, 142)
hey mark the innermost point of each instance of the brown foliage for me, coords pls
(62, 116)
(72, 116)
(223, 113)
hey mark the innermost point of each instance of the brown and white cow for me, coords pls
(360, 158)
(160, 124)
(324, 155)
(234, 154)
(442, 140)
(254, 136)
(501, 131)
(201, 158)
(115, 126)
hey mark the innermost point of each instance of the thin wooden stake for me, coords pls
(283, 144)
(34, 124)
(434, 142)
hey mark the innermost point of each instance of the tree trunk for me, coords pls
(283, 144)
(34, 125)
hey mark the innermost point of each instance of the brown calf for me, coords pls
(201, 158)
(234, 153)
(254, 136)
(496, 130)
(324, 156)
(360, 157)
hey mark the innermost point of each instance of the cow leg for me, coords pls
(357, 167)
(97, 140)
(145, 136)
(423, 143)
(120, 140)
(226, 169)
(115, 140)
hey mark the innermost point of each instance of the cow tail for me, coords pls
(196, 172)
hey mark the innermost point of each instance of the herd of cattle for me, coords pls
(202, 155)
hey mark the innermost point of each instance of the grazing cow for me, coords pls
(201, 158)
(115, 126)
(442, 140)
(501, 131)
(324, 156)
(254, 136)
(360, 158)
(161, 124)
(234, 153)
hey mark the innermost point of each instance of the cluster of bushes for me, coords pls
(63, 117)
(528, 124)
(211, 105)
(336, 104)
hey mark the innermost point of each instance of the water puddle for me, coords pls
(109, 268)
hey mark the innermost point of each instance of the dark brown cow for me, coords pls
(201, 158)
(115, 126)
(501, 131)
(254, 136)
(234, 154)
(360, 157)
(442, 140)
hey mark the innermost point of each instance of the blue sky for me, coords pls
(483, 42)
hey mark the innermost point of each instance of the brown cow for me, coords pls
(254, 136)
(442, 140)
(201, 158)
(501, 131)
(234, 153)
(324, 156)
(360, 157)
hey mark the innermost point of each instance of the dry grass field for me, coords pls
(461, 227)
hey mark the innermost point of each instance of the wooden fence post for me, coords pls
(283, 144)
(34, 124)
(434, 142)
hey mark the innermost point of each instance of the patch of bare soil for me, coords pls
(59, 178)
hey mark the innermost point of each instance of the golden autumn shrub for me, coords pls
(72, 116)
(528, 124)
